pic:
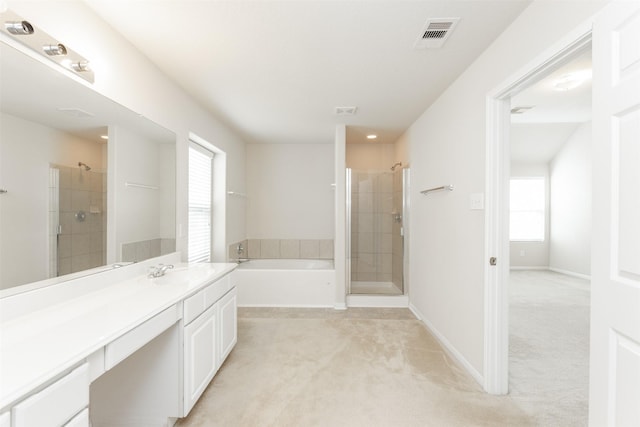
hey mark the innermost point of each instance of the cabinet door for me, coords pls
(228, 324)
(200, 361)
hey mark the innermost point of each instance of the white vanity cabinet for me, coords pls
(57, 404)
(209, 336)
(228, 324)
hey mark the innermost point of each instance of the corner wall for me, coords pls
(570, 171)
(447, 145)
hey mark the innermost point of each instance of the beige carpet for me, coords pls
(549, 346)
(360, 367)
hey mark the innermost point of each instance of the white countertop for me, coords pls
(38, 346)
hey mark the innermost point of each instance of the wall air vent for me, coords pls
(435, 32)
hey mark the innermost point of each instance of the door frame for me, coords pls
(497, 167)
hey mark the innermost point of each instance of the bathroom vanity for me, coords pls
(118, 348)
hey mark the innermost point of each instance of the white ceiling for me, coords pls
(275, 70)
(539, 133)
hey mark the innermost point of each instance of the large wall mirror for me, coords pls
(84, 181)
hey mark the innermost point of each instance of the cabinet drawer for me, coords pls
(80, 420)
(56, 404)
(193, 307)
(198, 303)
(119, 349)
(216, 291)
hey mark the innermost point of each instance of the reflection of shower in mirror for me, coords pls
(86, 166)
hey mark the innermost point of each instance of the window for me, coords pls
(200, 206)
(527, 209)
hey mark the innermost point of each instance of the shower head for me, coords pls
(86, 166)
(393, 168)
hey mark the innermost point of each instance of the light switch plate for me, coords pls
(476, 201)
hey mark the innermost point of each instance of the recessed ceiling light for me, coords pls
(372, 136)
(571, 80)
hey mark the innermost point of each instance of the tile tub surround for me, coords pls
(145, 249)
(283, 249)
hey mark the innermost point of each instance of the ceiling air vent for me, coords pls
(346, 111)
(435, 32)
(75, 112)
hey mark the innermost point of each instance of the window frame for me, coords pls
(542, 212)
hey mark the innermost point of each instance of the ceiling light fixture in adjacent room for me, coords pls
(571, 80)
(372, 136)
(105, 137)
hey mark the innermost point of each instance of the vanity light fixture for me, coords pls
(15, 27)
(372, 136)
(54, 49)
(19, 28)
(79, 66)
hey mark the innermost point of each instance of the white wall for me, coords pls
(532, 254)
(129, 78)
(447, 146)
(570, 172)
(289, 192)
(26, 149)
(374, 157)
(141, 160)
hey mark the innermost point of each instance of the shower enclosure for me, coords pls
(77, 220)
(376, 207)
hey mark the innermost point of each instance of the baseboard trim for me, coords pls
(449, 347)
(570, 273)
(525, 267)
(378, 301)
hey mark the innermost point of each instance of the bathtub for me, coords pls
(286, 283)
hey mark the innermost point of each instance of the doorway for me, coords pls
(496, 360)
(550, 241)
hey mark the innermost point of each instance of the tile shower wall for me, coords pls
(283, 248)
(81, 242)
(371, 226)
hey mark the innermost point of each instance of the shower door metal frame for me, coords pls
(348, 231)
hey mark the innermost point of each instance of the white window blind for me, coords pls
(200, 197)
(527, 209)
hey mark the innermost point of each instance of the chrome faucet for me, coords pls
(159, 270)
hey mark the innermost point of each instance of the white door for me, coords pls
(615, 306)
